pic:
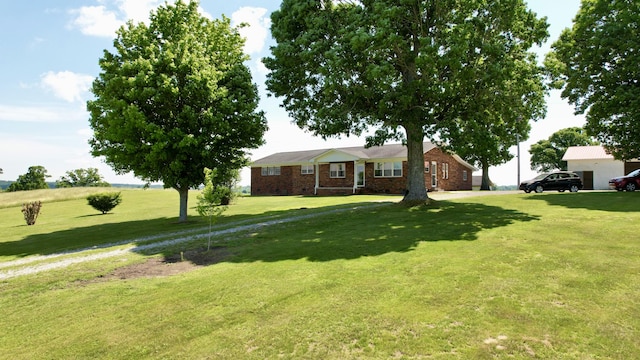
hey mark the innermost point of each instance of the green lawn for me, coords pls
(515, 276)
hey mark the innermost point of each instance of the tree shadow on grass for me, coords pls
(81, 238)
(373, 232)
(346, 234)
(613, 201)
(139, 232)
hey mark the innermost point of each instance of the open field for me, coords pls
(515, 276)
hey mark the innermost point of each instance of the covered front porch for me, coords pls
(339, 172)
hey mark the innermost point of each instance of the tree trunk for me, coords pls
(416, 189)
(486, 183)
(184, 198)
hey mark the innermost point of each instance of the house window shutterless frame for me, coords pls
(388, 169)
(465, 177)
(336, 170)
(306, 169)
(270, 171)
(445, 170)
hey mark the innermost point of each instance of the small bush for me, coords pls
(31, 211)
(104, 202)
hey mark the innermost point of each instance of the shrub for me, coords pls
(104, 202)
(31, 211)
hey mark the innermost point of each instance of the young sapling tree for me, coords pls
(211, 198)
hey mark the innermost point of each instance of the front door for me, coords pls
(360, 175)
(434, 174)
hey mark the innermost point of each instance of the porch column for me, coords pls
(355, 176)
(316, 171)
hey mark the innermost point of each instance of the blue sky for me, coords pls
(49, 52)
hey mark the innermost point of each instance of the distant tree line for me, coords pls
(36, 178)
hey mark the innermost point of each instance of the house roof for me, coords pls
(390, 151)
(586, 153)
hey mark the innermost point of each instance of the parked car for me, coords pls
(559, 180)
(629, 182)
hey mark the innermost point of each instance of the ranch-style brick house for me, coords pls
(356, 170)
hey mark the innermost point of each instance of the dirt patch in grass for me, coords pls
(169, 265)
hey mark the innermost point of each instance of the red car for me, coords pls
(630, 182)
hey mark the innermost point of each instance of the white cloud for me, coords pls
(40, 114)
(57, 154)
(137, 10)
(103, 20)
(257, 31)
(67, 85)
(85, 133)
(260, 67)
(96, 21)
(35, 42)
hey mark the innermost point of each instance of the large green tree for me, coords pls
(175, 97)
(405, 68)
(546, 155)
(89, 177)
(508, 92)
(486, 139)
(597, 65)
(34, 179)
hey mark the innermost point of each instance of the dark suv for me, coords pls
(631, 182)
(559, 180)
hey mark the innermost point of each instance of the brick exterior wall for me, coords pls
(455, 180)
(292, 182)
(384, 185)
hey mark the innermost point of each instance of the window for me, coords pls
(306, 169)
(397, 169)
(378, 170)
(270, 170)
(388, 169)
(336, 170)
(465, 177)
(426, 166)
(445, 170)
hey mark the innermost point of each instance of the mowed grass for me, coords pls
(515, 276)
(73, 224)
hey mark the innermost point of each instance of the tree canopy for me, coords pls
(546, 155)
(500, 107)
(82, 178)
(596, 63)
(175, 97)
(34, 179)
(405, 69)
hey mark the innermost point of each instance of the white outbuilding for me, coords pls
(595, 166)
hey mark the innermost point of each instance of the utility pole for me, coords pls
(518, 148)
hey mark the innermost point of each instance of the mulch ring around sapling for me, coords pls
(173, 264)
